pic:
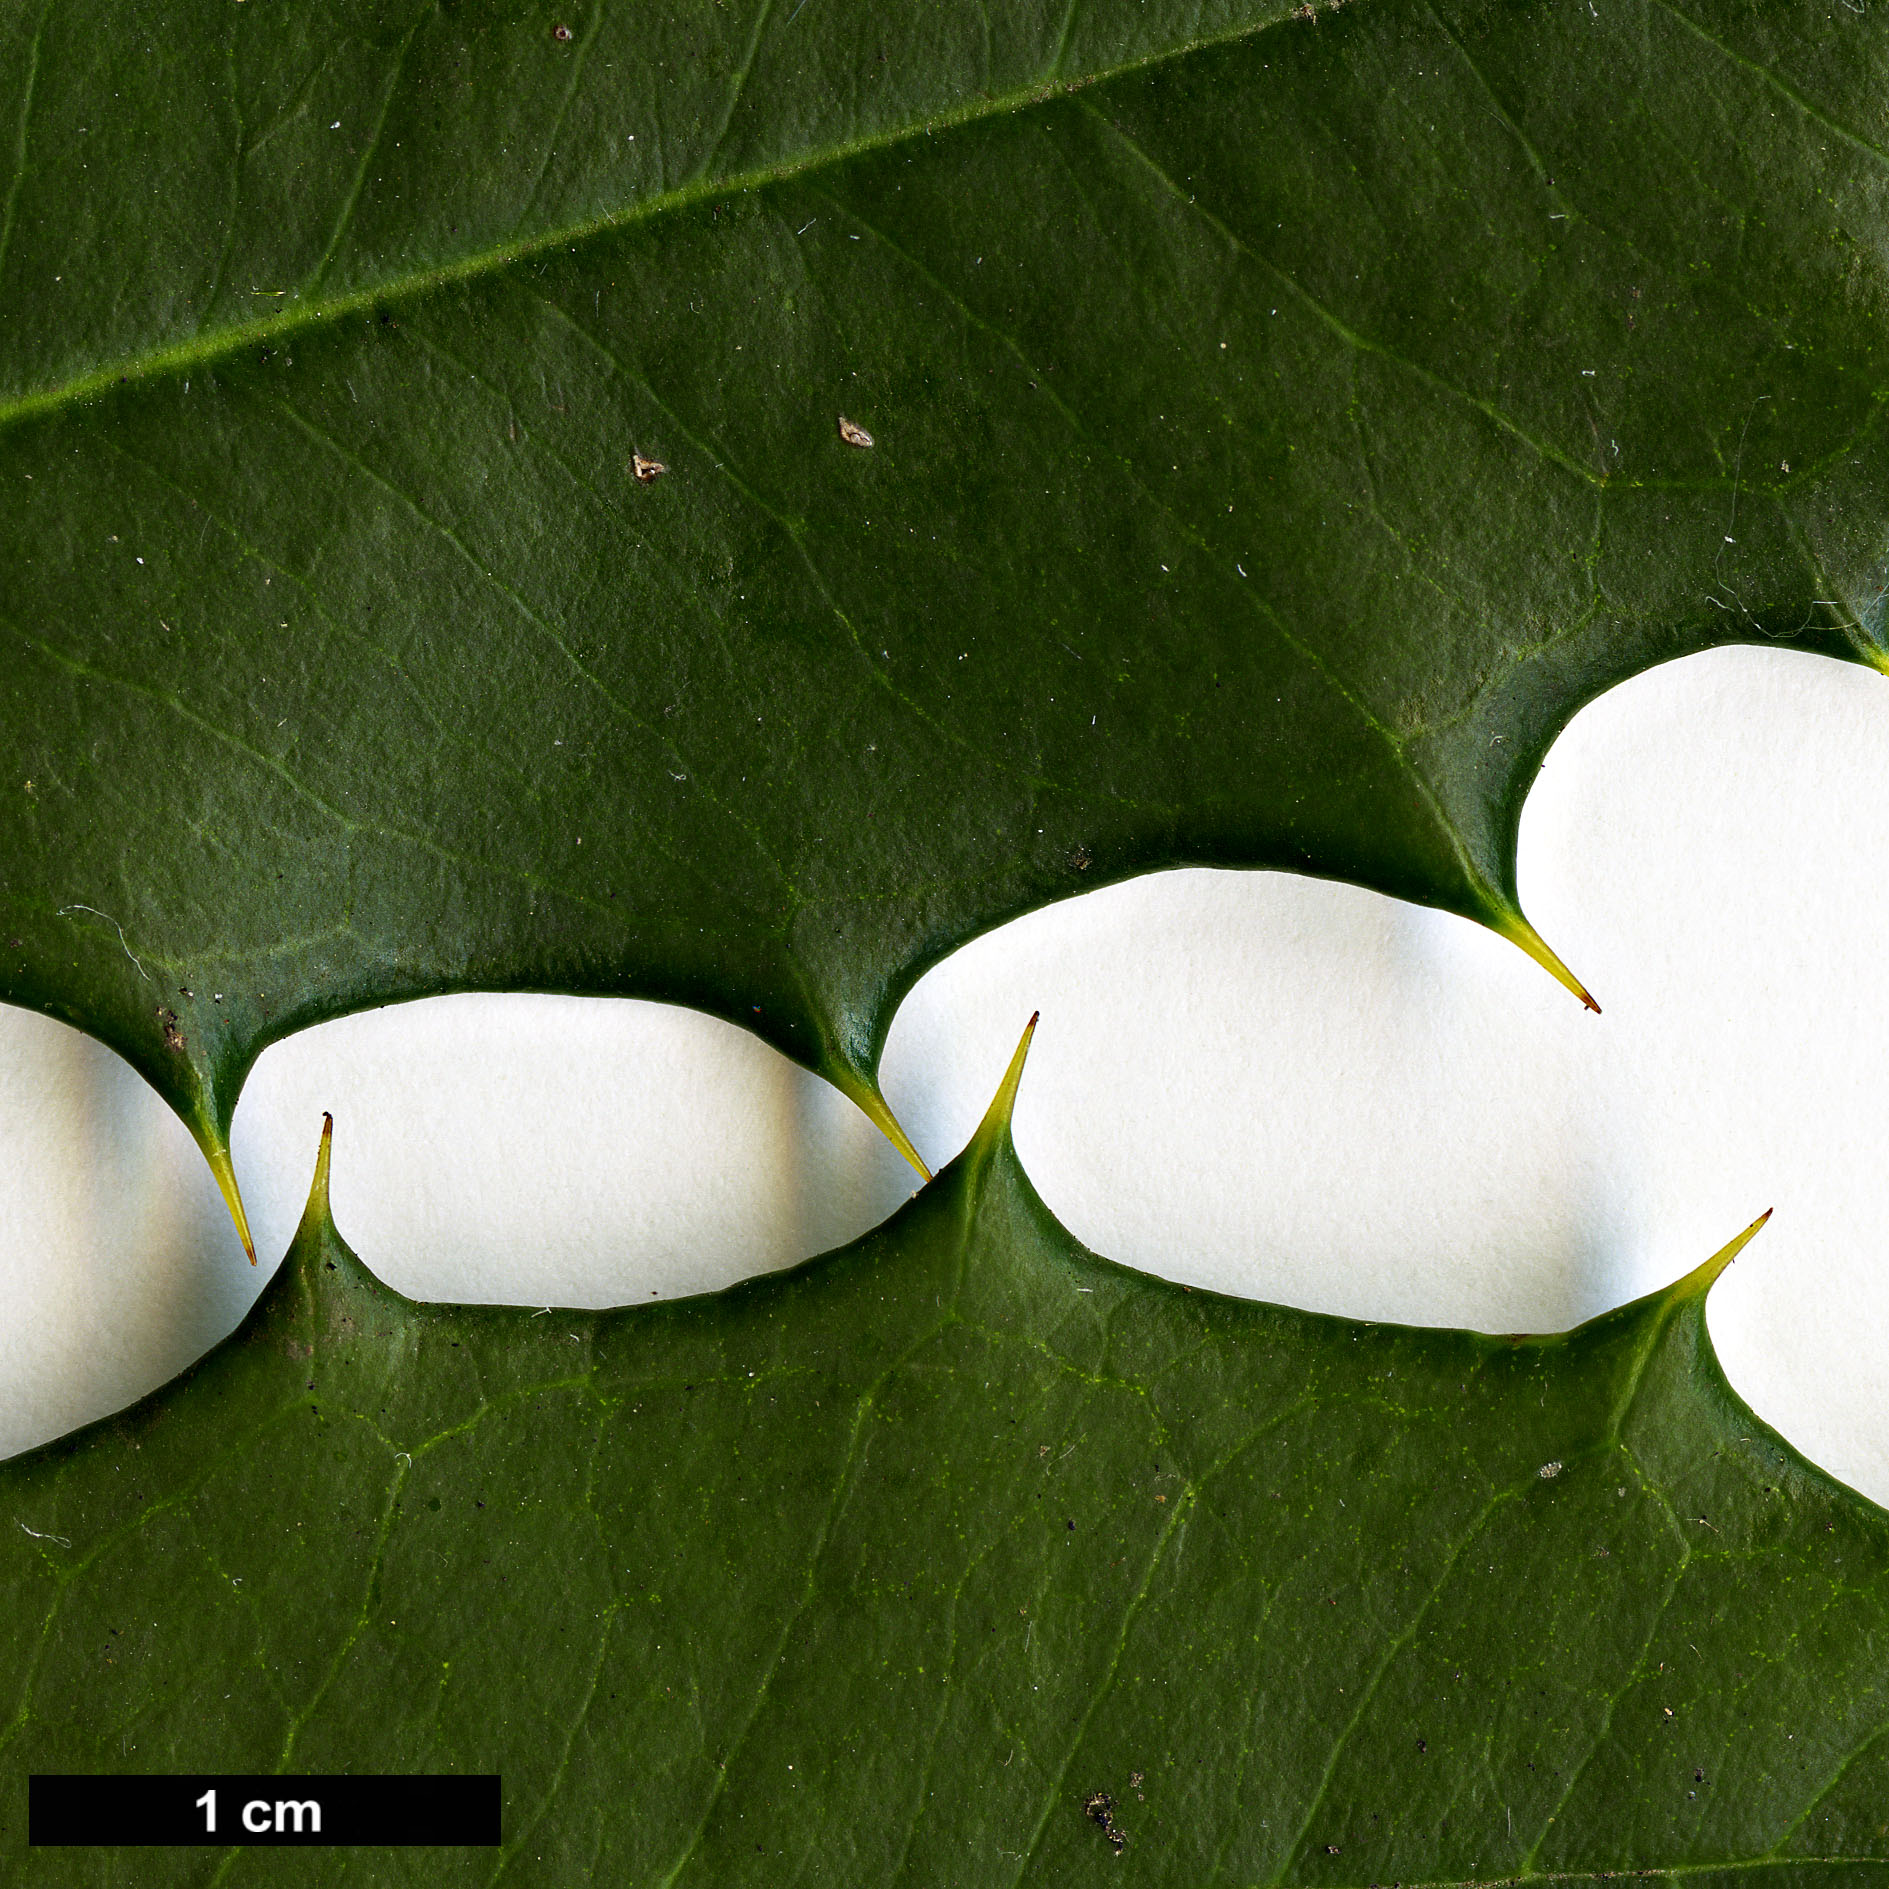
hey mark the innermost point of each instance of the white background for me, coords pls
(1269, 1085)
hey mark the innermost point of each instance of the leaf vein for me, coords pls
(203, 350)
(20, 141)
(352, 201)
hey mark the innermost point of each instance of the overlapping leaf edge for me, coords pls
(1660, 1342)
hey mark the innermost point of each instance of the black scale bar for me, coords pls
(151, 1811)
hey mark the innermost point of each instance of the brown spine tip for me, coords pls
(315, 1215)
(997, 1117)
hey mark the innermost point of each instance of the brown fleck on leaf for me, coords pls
(1099, 1808)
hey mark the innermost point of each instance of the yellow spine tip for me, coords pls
(873, 1106)
(1703, 1276)
(1518, 930)
(219, 1159)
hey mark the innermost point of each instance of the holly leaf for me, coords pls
(963, 1555)
(722, 502)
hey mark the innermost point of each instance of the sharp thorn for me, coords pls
(1514, 927)
(1703, 1276)
(997, 1116)
(219, 1159)
(873, 1106)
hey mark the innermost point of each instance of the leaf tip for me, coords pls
(1514, 927)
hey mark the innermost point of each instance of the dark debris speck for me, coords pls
(1099, 1808)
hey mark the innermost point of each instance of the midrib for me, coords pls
(203, 350)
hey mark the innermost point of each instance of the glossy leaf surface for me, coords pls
(1281, 426)
(881, 1570)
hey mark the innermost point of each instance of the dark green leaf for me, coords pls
(880, 1570)
(1281, 427)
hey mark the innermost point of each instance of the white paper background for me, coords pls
(1264, 1084)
